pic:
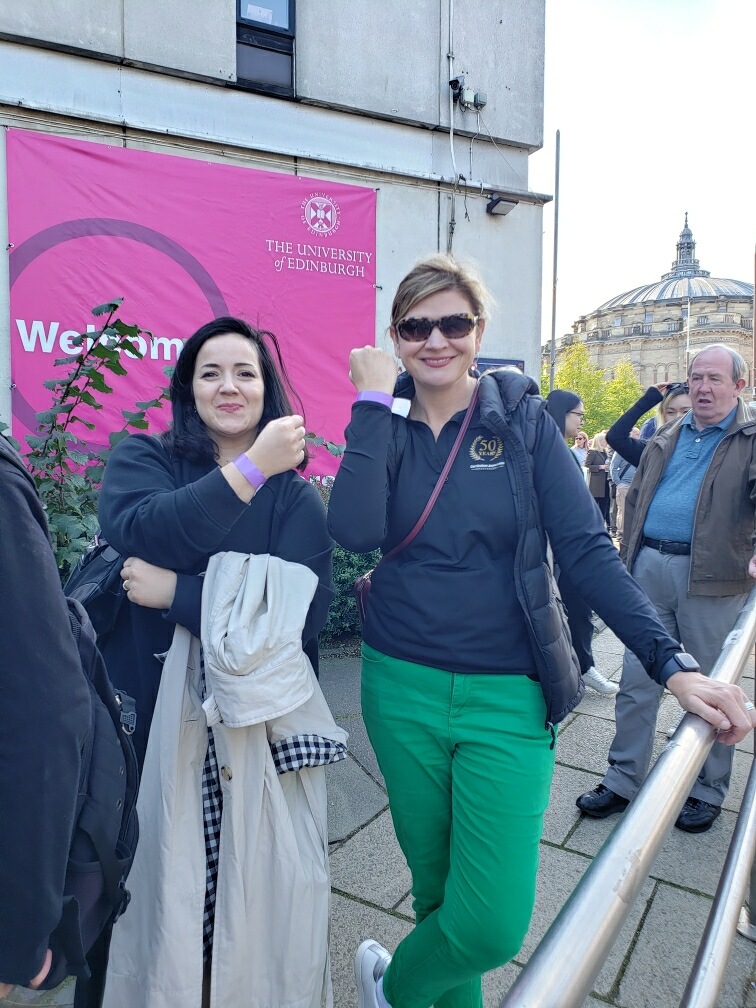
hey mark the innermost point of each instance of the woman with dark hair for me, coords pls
(223, 478)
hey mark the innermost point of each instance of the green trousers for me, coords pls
(467, 763)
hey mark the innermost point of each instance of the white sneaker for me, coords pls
(370, 963)
(597, 682)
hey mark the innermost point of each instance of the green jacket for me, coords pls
(724, 536)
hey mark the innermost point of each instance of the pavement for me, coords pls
(651, 960)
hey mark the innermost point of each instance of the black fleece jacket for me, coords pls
(176, 514)
(44, 718)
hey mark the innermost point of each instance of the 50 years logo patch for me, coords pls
(488, 448)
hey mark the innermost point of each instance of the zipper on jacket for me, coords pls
(550, 728)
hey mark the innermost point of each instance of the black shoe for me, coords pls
(601, 802)
(697, 816)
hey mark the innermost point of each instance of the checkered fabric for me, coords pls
(212, 811)
(300, 751)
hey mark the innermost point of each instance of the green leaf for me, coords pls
(107, 309)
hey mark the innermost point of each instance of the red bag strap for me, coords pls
(441, 480)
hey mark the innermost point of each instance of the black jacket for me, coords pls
(44, 718)
(176, 514)
(552, 507)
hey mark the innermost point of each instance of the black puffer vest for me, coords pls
(511, 407)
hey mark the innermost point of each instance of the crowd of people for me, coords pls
(469, 661)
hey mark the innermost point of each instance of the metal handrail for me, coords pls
(708, 972)
(563, 967)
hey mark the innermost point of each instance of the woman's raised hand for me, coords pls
(279, 446)
(371, 368)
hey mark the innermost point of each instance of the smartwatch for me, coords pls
(680, 662)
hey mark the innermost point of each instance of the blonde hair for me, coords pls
(440, 273)
(599, 441)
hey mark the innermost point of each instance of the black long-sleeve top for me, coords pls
(176, 514)
(44, 719)
(449, 599)
(618, 435)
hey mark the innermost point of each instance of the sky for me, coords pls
(654, 101)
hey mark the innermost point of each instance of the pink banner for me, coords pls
(184, 241)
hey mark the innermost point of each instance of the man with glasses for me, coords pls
(690, 534)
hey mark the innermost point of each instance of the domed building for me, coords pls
(659, 326)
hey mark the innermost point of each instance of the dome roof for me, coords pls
(685, 280)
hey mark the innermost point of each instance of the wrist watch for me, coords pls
(680, 662)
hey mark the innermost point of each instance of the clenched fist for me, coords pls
(371, 368)
(279, 446)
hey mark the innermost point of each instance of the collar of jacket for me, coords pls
(501, 390)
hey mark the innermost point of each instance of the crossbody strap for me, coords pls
(441, 480)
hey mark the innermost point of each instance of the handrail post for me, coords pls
(707, 975)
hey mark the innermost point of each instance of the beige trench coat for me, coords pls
(270, 947)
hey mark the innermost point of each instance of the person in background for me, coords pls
(673, 401)
(568, 412)
(621, 474)
(44, 721)
(690, 544)
(580, 447)
(598, 474)
(467, 664)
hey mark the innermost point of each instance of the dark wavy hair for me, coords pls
(188, 437)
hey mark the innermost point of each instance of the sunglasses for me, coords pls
(676, 386)
(416, 330)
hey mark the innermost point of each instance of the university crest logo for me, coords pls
(321, 214)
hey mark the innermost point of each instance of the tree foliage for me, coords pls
(66, 469)
(604, 400)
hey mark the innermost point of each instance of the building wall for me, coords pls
(371, 108)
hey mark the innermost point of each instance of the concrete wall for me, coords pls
(380, 59)
(375, 104)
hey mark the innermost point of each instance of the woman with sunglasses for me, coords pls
(467, 662)
(673, 400)
(580, 447)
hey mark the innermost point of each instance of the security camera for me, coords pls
(456, 85)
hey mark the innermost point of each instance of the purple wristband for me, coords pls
(249, 471)
(380, 397)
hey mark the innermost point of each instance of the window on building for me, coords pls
(618, 320)
(702, 320)
(606, 333)
(265, 46)
(648, 317)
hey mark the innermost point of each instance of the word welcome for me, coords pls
(49, 338)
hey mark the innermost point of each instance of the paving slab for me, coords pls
(584, 744)
(340, 681)
(663, 956)
(360, 748)
(371, 866)
(561, 815)
(353, 798)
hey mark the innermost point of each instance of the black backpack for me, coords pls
(105, 828)
(96, 583)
